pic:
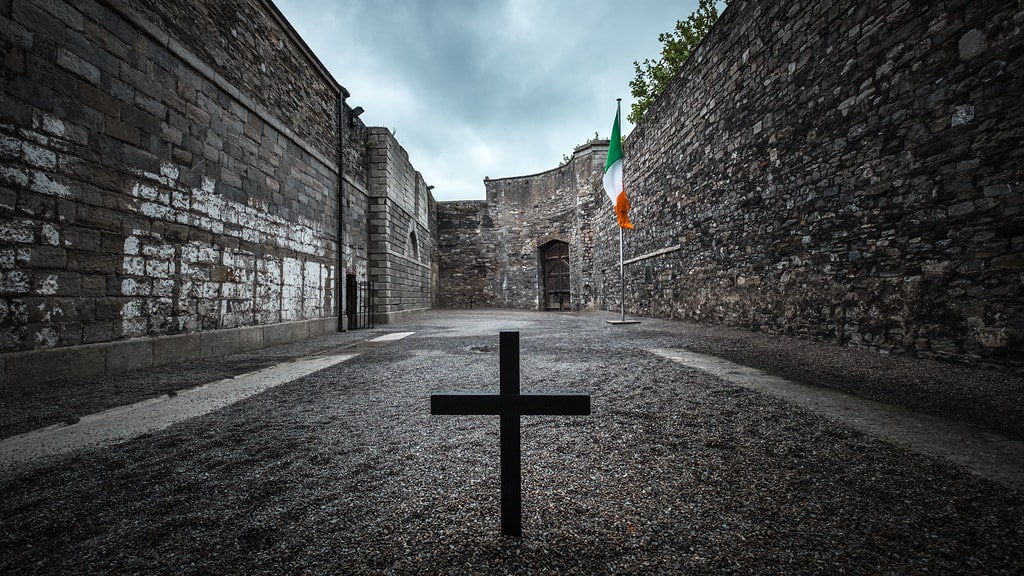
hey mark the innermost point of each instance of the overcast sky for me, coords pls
(476, 88)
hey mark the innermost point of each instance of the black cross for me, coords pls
(510, 405)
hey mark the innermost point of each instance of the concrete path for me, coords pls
(126, 422)
(989, 455)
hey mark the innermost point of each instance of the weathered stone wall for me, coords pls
(529, 211)
(249, 43)
(490, 249)
(403, 230)
(594, 211)
(467, 255)
(841, 170)
(154, 183)
(356, 213)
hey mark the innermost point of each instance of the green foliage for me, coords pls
(653, 76)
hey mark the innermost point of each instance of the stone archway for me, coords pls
(554, 275)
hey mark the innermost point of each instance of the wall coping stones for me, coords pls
(582, 149)
(285, 25)
(179, 50)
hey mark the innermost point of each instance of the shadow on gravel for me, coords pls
(65, 401)
(675, 472)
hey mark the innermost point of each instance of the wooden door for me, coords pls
(555, 259)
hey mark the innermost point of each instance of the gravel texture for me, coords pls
(346, 472)
(23, 409)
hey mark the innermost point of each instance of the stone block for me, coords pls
(98, 100)
(128, 355)
(277, 334)
(145, 122)
(300, 331)
(46, 257)
(97, 217)
(67, 14)
(82, 238)
(92, 262)
(217, 343)
(121, 131)
(37, 20)
(25, 369)
(94, 332)
(316, 328)
(330, 325)
(1012, 262)
(972, 44)
(19, 36)
(250, 338)
(176, 348)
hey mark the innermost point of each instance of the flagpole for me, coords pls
(622, 278)
(622, 281)
(613, 170)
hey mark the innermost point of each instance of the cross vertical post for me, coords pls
(509, 405)
(511, 461)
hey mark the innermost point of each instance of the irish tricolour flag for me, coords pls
(613, 176)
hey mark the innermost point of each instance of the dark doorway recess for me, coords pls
(554, 258)
(358, 303)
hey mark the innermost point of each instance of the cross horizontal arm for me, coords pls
(555, 404)
(467, 403)
(464, 403)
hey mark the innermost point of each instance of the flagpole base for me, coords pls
(622, 321)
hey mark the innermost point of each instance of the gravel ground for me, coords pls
(346, 472)
(23, 409)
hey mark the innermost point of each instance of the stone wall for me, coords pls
(155, 183)
(490, 250)
(249, 44)
(838, 170)
(467, 255)
(841, 170)
(356, 229)
(402, 231)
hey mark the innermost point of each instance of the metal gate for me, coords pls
(358, 303)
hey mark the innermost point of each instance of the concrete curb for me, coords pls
(993, 456)
(24, 369)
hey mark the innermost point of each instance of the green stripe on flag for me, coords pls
(614, 145)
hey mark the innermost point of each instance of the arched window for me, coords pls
(412, 248)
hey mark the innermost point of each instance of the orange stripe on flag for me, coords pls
(621, 208)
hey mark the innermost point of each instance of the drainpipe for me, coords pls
(340, 275)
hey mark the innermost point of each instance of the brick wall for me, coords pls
(840, 170)
(154, 182)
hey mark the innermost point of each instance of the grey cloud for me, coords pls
(482, 88)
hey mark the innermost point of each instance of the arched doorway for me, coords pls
(554, 258)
